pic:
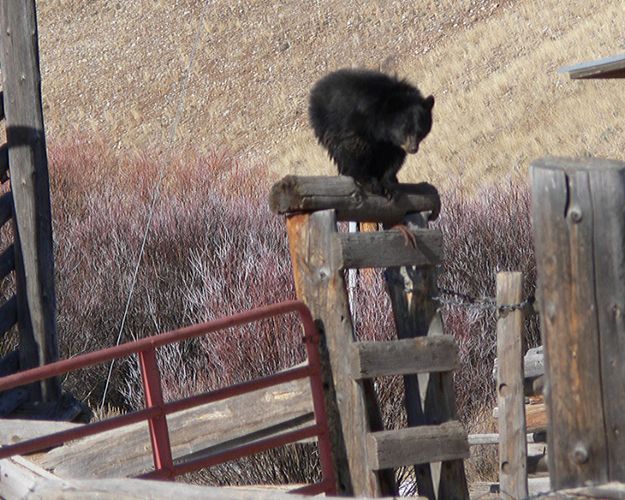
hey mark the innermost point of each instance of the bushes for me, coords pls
(214, 249)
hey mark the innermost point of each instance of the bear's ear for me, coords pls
(429, 102)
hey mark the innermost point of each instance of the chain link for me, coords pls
(461, 299)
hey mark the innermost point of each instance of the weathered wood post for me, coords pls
(429, 397)
(321, 256)
(19, 62)
(512, 430)
(579, 234)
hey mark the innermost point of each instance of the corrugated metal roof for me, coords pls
(608, 67)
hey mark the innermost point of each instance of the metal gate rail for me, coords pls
(156, 410)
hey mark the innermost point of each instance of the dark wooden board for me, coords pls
(294, 194)
(388, 249)
(403, 357)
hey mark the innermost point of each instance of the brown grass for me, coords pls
(116, 68)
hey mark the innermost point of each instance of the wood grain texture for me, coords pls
(403, 357)
(193, 433)
(387, 249)
(579, 236)
(512, 444)
(139, 489)
(416, 445)
(294, 194)
(19, 59)
(430, 398)
(322, 287)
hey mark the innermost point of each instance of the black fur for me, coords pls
(368, 121)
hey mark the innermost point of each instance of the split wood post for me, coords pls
(579, 235)
(511, 400)
(429, 398)
(322, 287)
(19, 60)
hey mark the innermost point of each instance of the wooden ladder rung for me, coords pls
(417, 445)
(403, 357)
(387, 249)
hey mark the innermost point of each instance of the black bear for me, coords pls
(368, 121)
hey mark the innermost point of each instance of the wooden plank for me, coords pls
(567, 225)
(403, 357)
(416, 445)
(200, 431)
(139, 489)
(512, 445)
(19, 477)
(429, 398)
(535, 417)
(607, 193)
(322, 287)
(14, 431)
(295, 194)
(19, 60)
(607, 67)
(388, 248)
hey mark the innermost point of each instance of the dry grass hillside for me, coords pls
(116, 68)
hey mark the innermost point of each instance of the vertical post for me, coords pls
(430, 398)
(321, 286)
(19, 60)
(511, 401)
(579, 236)
(159, 434)
(352, 279)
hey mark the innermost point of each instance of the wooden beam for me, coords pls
(200, 431)
(294, 194)
(417, 445)
(21, 476)
(430, 398)
(388, 249)
(608, 67)
(579, 235)
(512, 445)
(16, 430)
(139, 489)
(354, 412)
(19, 60)
(403, 357)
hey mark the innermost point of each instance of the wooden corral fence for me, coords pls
(23, 162)
(366, 454)
(579, 228)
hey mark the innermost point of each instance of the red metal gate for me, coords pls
(156, 409)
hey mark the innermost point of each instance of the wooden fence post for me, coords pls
(19, 60)
(429, 397)
(579, 235)
(511, 401)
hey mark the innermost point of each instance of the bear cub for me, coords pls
(368, 122)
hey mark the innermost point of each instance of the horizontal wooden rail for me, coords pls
(417, 445)
(387, 249)
(295, 194)
(404, 357)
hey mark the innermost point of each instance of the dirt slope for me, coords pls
(116, 68)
